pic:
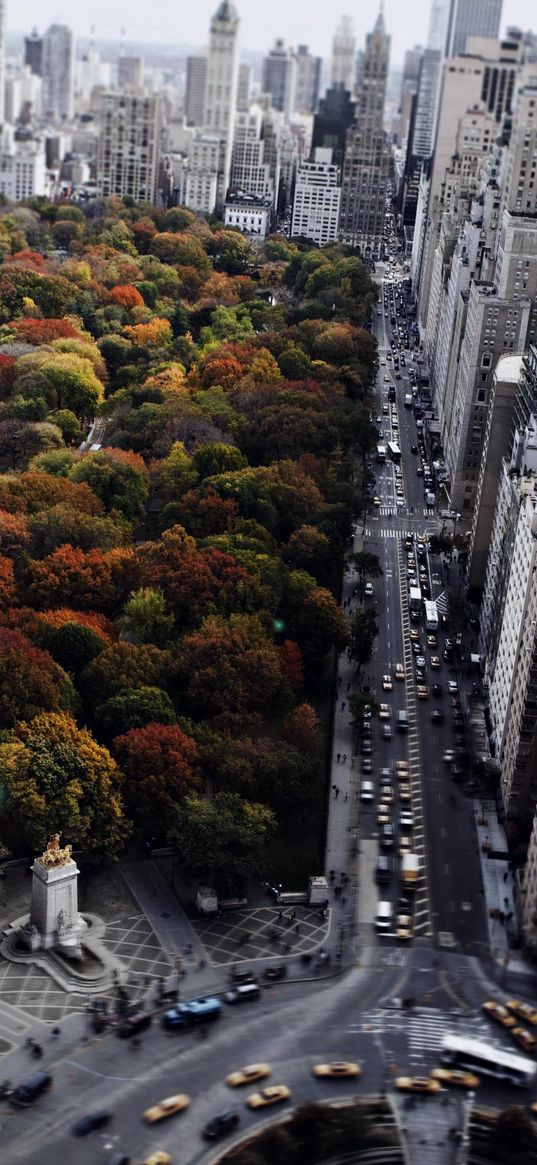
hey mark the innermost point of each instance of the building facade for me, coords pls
(221, 87)
(279, 77)
(343, 66)
(317, 200)
(58, 73)
(129, 146)
(196, 80)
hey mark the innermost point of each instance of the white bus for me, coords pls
(381, 453)
(489, 1061)
(431, 615)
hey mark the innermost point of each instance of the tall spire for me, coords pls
(226, 11)
(380, 25)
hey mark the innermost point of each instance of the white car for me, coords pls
(453, 686)
(368, 590)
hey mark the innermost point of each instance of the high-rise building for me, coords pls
(409, 88)
(58, 67)
(244, 87)
(471, 18)
(317, 199)
(308, 80)
(336, 113)
(344, 55)
(2, 58)
(33, 52)
(367, 166)
(129, 146)
(221, 86)
(196, 80)
(250, 173)
(130, 72)
(22, 164)
(279, 77)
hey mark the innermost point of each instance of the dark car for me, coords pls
(134, 1024)
(91, 1122)
(243, 977)
(437, 689)
(437, 715)
(275, 973)
(366, 748)
(221, 1124)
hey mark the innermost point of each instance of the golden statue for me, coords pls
(54, 855)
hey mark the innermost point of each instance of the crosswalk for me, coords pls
(394, 511)
(424, 1029)
(442, 603)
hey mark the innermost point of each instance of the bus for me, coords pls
(381, 453)
(486, 1060)
(431, 615)
(395, 452)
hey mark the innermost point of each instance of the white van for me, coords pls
(243, 994)
(384, 916)
(366, 791)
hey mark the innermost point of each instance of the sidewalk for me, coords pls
(499, 890)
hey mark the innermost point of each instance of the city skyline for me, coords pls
(304, 23)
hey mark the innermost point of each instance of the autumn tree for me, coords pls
(319, 626)
(134, 708)
(367, 565)
(223, 842)
(30, 681)
(159, 763)
(364, 630)
(119, 479)
(231, 666)
(62, 380)
(57, 779)
(123, 666)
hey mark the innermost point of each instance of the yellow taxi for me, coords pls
(399, 671)
(403, 926)
(499, 1013)
(455, 1076)
(405, 846)
(435, 662)
(405, 792)
(401, 770)
(415, 635)
(159, 1157)
(422, 692)
(274, 1094)
(386, 796)
(387, 684)
(417, 1084)
(383, 816)
(523, 1038)
(522, 1010)
(248, 1074)
(336, 1069)
(384, 711)
(432, 641)
(168, 1107)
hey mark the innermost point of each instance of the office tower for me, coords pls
(527, 895)
(336, 113)
(58, 72)
(471, 18)
(367, 165)
(221, 87)
(279, 77)
(317, 199)
(308, 79)
(130, 72)
(196, 80)
(22, 164)
(250, 172)
(33, 52)
(409, 88)
(2, 58)
(129, 146)
(244, 87)
(344, 55)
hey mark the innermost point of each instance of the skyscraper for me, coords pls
(129, 146)
(279, 77)
(336, 113)
(471, 18)
(196, 80)
(2, 58)
(221, 85)
(130, 72)
(368, 162)
(308, 79)
(33, 52)
(58, 72)
(344, 55)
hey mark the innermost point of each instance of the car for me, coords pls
(437, 715)
(406, 820)
(168, 1107)
(385, 779)
(274, 1094)
(416, 647)
(248, 1075)
(336, 1069)
(159, 1157)
(435, 663)
(420, 661)
(453, 686)
(221, 1124)
(403, 926)
(415, 635)
(417, 1084)
(386, 795)
(522, 1010)
(366, 712)
(274, 974)
(419, 470)
(405, 794)
(524, 1039)
(386, 732)
(422, 692)
(387, 683)
(420, 675)
(399, 671)
(378, 420)
(384, 711)
(401, 770)
(366, 765)
(92, 1122)
(383, 815)
(456, 1076)
(368, 590)
(431, 641)
(498, 1012)
(377, 501)
(437, 689)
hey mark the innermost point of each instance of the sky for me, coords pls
(309, 22)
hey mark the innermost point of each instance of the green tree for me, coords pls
(62, 379)
(367, 565)
(73, 646)
(119, 479)
(134, 708)
(121, 667)
(364, 629)
(145, 618)
(223, 842)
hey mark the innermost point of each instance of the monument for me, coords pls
(54, 921)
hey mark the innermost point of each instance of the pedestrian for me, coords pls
(29, 1043)
(332, 873)
(56, 1031)
(337, 792)
(349, 686)
(202, 964)
(334, 787)
(297, 928)
(506, 875)
(343, 901)
(287, 948)
(506, 901)
(344, 757)
(280, 916)
(346, 796)
(337, 759)
(343, 705)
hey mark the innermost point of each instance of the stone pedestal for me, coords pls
(318, 891)
(54, 918)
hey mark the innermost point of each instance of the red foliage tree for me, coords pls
(14, 533)
(30, 681)
(291, 664)
(30, 492)
(70, 576)
(34, 331)
(7, 583)
(126, 296)
(194, 582)
(158, 762)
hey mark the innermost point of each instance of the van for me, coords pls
(402, 719)
(366, 791)
(384, 916)
(26, 1093)
(203, 1010)
(248, 991)
(383, 869)
(134, 1025)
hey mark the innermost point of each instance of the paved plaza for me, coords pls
(261, 932)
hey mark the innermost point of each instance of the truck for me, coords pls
(381, 454)
(429, 497)
(410, 868)
(203, 1010)
(408, 400)
(415, 602)
(431, 615)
